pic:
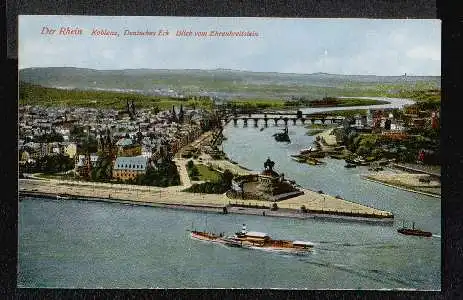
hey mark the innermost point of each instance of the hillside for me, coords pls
(225, 83)
(31, 94)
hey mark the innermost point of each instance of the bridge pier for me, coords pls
(286, 121)
(294, 121)
(265, 120)
(245, 122)
(235, 121)
(255, 122)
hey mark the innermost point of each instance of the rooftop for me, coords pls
(131, 163)
(124, 142)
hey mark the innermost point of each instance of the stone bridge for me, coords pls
(282, 119)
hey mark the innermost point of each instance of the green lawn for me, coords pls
(207, 174)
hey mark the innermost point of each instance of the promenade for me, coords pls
(173, 196)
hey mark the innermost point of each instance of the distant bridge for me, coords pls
(282, 118)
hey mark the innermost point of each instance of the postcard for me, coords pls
(200, 152)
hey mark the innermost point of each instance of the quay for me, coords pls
(417, 169)
(173, 197)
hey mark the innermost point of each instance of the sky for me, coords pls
(385, 47)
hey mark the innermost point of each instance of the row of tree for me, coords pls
(49, 164)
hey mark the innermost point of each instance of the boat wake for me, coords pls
(436, 235)
(372, 274)
(282, 251)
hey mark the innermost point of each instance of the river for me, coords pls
(76, 244)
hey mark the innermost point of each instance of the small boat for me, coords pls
(413, 231)
(350, 161)
(282, 136)
(308, 150)
(349, 165)
(314, 162)
(359, 161)
(262, 129)
(298, 159)
(63, 197)
(376, 168)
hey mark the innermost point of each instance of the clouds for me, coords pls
(344, 46)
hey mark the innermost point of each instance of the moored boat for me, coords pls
(298, 159)
(337, 156)
(63, 196)
(314, 162)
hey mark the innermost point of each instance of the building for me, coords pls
(71, 150)
(93, 160)
(129, 167)
(84, 164)
(411, 110)
(395, 135)
(435, 119)
(82, 168)
(146, 152)
(126, 147)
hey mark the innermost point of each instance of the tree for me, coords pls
(53, 164)
(103, 169)
(49, 137)
(190, 164)
(226, 178)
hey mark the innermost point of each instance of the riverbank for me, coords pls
(407, 181)
(173, 197)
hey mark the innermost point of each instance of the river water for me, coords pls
(77, 244)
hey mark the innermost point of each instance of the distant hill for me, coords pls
(223, 82)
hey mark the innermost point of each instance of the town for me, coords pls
(53, 139)
(138, 145)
